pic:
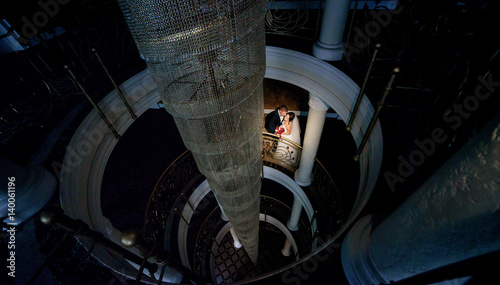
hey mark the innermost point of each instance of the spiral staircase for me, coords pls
(182, 216)
(146, 181)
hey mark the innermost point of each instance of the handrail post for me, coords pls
(81, 229)
(96, 107)
(362, 90)
(131, 238)
(187, 201)
(180, 215)
(115, 85)
(351, 22)
(376, 114)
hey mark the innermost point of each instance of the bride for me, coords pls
(290, 131)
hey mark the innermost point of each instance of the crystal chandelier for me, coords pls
(208, 61)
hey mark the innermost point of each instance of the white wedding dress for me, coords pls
(285, 150)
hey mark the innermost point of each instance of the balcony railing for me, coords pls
(181, 178)
(280, 153)
(168, 195)
(323, 186)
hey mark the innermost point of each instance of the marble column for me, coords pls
(237, 243)
(293, 221)
(286, 248)
(329, 46)
(292, 224)
(223, 215)
(30, 189)
(451, 217)
(312, 137)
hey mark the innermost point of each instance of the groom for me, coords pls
(274, 119)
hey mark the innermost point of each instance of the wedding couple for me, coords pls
(280, 122)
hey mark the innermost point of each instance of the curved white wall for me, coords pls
(92, 143)
(334, 88)
(203, 189)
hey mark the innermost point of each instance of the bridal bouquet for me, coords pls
(279, 131)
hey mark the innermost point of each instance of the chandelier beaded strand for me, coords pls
(208, 61)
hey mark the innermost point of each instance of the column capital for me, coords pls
(317, 104)
(328, 52)
(329, 45)
(291, 227)
(304, 182)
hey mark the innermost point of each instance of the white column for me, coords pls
(286, 249)
(293, 221)
(312, 136)
(451, 217)
(223, 215)
(329, 46)
(237, 243)
(32, 187)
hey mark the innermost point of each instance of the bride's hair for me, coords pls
(292, 116)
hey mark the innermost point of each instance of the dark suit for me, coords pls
(272, 121)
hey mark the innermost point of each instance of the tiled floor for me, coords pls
(232, 264)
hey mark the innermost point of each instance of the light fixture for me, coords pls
(208, 61)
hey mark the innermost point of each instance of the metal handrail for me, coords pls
(330, 194)
(81, 230)
(159, 205)
(280, 151)
(49, 258)
(178, 191)
(132, 238)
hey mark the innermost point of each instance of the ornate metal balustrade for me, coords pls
(168, 195)
(280, 153)
(294, 19)
(330, 208)
(208, 230)
(277, 207)
(176, 184)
